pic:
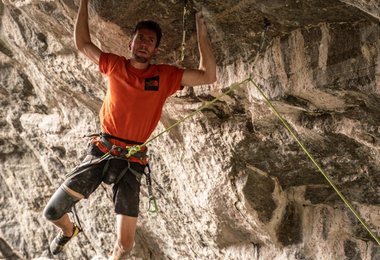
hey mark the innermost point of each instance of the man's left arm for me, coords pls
(206, 74)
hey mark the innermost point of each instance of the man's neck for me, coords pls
(139, 65)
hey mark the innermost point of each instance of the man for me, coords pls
(130, 112)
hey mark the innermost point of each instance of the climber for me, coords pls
(131, 109)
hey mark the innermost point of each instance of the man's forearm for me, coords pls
(82, 32)
(206, 74)
(207, 60)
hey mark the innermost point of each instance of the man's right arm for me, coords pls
(82, 36)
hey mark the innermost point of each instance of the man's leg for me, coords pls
(56, 211)
(65, 224)
(61, 202)
(83, 181)
(126, 229)
(126, 197)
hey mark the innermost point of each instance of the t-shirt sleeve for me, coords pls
(107, 62)
(175, 77)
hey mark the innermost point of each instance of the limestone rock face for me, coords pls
(231, 182)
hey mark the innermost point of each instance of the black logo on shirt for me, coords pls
(151, 84)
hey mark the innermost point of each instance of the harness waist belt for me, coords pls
(106, 146)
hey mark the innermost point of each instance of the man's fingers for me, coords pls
(200, 19)
(199, 16)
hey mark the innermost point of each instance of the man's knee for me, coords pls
(59, 204)
(126, 244)
(126, 230)
(52, 213)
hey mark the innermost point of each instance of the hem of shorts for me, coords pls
(68, 191)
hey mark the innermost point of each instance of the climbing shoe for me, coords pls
(58, 243)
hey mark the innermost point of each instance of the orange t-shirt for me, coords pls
(133, 103)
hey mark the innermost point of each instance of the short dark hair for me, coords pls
(150, 25)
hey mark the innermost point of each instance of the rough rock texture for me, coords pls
(231, 182)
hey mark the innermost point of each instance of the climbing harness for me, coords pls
(105, 145)
(129, 154)
(112, 151)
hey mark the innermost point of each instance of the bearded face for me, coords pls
(143, 45)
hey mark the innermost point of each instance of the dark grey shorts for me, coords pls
(89, 175)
